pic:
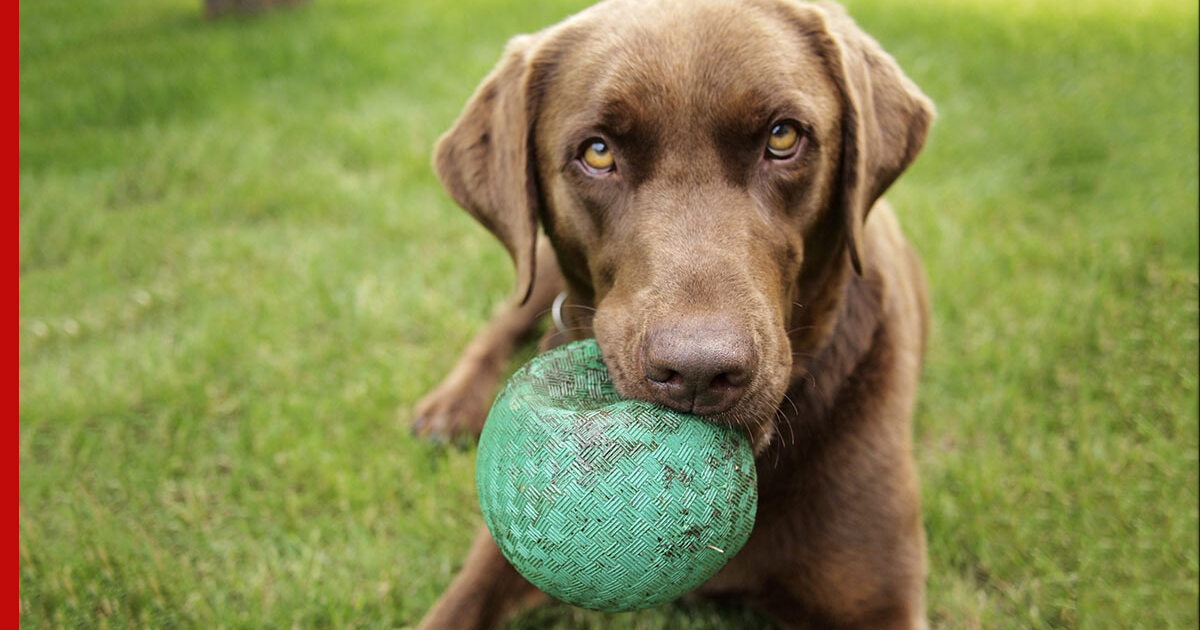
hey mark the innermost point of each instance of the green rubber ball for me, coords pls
(606, 503)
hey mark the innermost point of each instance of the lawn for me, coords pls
(238, 273)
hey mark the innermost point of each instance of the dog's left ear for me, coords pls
(885, 116)
(485, 162)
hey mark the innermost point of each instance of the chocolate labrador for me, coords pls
(707, 175)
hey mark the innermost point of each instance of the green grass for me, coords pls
(236, 266)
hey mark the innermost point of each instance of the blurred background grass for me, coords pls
(236, 265)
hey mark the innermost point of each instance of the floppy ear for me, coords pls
(486, 164)
(885, 117)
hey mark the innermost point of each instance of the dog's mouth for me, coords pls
(703, 375)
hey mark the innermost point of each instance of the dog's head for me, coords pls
(699, 167)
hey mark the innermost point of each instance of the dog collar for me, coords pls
(556, 312)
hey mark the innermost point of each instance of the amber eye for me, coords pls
(597, 156)
(784, 141)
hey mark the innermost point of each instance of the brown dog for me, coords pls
(708, 175)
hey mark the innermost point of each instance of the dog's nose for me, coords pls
(699, 366)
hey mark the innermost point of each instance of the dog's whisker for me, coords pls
(791, 431)
(792, 403)
(574, 329)
(777, 449)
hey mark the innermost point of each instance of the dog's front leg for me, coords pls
(459, 405)
(484, 593)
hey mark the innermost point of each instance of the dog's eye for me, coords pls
(597, 156)
(784, 141)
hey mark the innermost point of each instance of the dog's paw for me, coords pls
(450, 414)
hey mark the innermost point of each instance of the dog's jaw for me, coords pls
(620, 327)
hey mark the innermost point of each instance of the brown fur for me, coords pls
(697, 235)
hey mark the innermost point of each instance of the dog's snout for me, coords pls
(701, 367)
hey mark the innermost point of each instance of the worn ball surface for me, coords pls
(606, 503)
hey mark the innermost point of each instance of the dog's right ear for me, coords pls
(486, 162)
(885, 117)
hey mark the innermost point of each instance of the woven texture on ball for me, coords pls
(606, 503)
